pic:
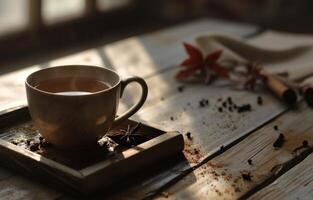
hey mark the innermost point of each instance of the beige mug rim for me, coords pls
(68, 96)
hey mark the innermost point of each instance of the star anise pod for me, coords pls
(196, 63)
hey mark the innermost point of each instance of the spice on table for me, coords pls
(230, 101)
(181, 88)
(220, 109)
(260, 100)
(250, 161)
(203, 102)
(275, 127)
(283, 91)
(305, 143)
(172, 118)
(246, 176)
(244, 108)
(224, 104)
(308, 95)
(279, 141)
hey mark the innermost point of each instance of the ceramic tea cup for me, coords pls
(74, 106)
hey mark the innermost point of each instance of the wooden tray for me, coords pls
(82, 171)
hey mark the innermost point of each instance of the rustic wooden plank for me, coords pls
(93, 58)
(297, 183)
(221, 177)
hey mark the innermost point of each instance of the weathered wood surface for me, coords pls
(154, 57)
(297, 183)
(221, 177)
(15, 91)
(210, 128)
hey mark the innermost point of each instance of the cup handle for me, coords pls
(138, 105)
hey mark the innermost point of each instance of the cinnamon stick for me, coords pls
(278, 87)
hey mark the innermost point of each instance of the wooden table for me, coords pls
(215, 161)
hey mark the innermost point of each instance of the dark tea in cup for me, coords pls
(72, 86)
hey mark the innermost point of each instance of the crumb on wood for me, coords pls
(181, 88)
(279, 142)
(246, 176)
(165, 194)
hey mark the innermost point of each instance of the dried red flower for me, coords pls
(207, 66)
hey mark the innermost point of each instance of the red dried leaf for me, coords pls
(193, 52)
(213, 57)
(186, 73)
(190, 63)
(219, 70)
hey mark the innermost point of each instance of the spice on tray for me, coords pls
(250, 162)
(34, 146)
(224, 104)
(279, 141)
(220, 109)
(128, 137)
(275, 127)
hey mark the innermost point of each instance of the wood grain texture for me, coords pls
(297, 183)
(221, 177)
(164, 51)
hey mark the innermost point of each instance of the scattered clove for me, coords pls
(260, 100)
(181, 88)
(203, 102)
(244, 108)
(305, 143)
(246, 176)
(279, 141)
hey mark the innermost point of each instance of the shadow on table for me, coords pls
(146, 183)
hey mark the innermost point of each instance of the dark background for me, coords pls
(38, 29)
